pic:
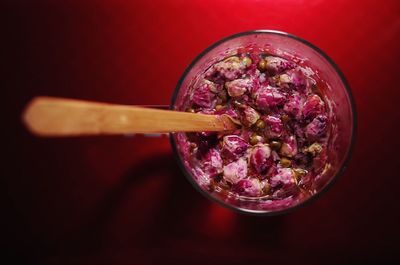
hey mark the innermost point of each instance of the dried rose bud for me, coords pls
(274, 126)
(249, 116)
(293, 106)
(313, 107)
(269, 97)
(289, 147)
(317, 128)
(276, 65)
(293, 79)
(203, 97)
(212, 162)
(229, 69)
(235, 171)
(238, 87)
(260, 158)
(248, 187)
(283, 177)
(313, 149)
(233, 147)
(215, 88)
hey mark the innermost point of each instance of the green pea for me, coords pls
(262, 65)
(247, 61)
(285, 162)
(275, 145)
(260, 124)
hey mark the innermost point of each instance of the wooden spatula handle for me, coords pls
(48, 116)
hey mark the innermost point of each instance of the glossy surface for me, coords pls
(86, 201)
(239, 169)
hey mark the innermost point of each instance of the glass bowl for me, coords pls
(335, 90)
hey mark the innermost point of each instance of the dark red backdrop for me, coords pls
(116, 200)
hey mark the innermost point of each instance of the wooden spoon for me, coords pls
(52, 117)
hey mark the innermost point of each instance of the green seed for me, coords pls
(285, 118)
(246, 60)
(286, 150)
(260, 124)
(285, 162)
(275, 145)
(262, 65)
(254, 139)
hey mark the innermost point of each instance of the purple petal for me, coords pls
(269, 97)
(230, 112)
(277, 65)
(294, 106)
(249, 116)
(248, 187)
(213, 87)
(317, 128)
(260, 158)
(289, 147)
(313, 107)
(238, 87)
(283, 178)
(233, 147)
(235, 171)
(293, 79)
(229, 69)
(274, 126)
(203, 97)
(212, 162)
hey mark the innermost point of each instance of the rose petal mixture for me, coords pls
(280, 148)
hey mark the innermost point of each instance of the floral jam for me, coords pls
(280, 148)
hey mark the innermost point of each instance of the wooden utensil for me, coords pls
(54, 117)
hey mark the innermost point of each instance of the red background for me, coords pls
(118, 200)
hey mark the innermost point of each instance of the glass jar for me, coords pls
(334, 89)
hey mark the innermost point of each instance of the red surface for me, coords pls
(116, 200)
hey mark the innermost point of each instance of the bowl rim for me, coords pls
(349, 152)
